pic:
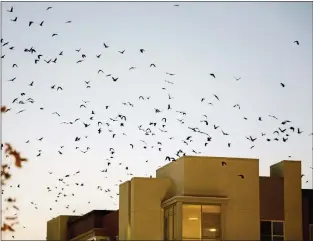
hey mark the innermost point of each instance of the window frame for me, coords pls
(272, 235)
(170, 211)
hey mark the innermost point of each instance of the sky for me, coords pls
(253, 41)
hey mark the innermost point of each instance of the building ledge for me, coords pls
(194, 200)
(89, 234)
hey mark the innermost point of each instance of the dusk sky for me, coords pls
(253, 41)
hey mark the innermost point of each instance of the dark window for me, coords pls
(266, 228)
(278, 238)
(272, 231)
(311, 232)
(278, 228)
(266, 238)
(165, 228)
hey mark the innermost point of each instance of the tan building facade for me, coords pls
(205, 198)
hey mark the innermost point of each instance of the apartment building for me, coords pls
(95, 225)
(211, 198)
(216, 198)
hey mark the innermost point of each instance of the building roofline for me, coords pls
(219, 157)
(209, 157)
(77, 218)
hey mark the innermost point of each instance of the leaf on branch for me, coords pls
(3, 108)
(6, 227)
(17, 156)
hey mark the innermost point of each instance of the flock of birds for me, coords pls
(204, 130)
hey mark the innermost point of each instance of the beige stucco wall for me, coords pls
(291, 172)
(174, 171)
(124, 211)
(144, 215)
(57, 228)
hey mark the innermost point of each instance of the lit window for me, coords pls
(211, 222)
(191, 222)
(201, 222)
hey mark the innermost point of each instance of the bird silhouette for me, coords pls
(250, 138)
(20, 111)
(12, 79)
(285, 122)
(297, 42)
(224, 133)
(216, 97)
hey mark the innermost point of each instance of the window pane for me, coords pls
(191, 222)
(266, 238)
(165, 212)
(171, 210)
(211, 209)
(278, 238)
(170, 228)
(210, 221)
(174, 208)
(165, 228)
(278, 228)
(175, 236)
(266, 228)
